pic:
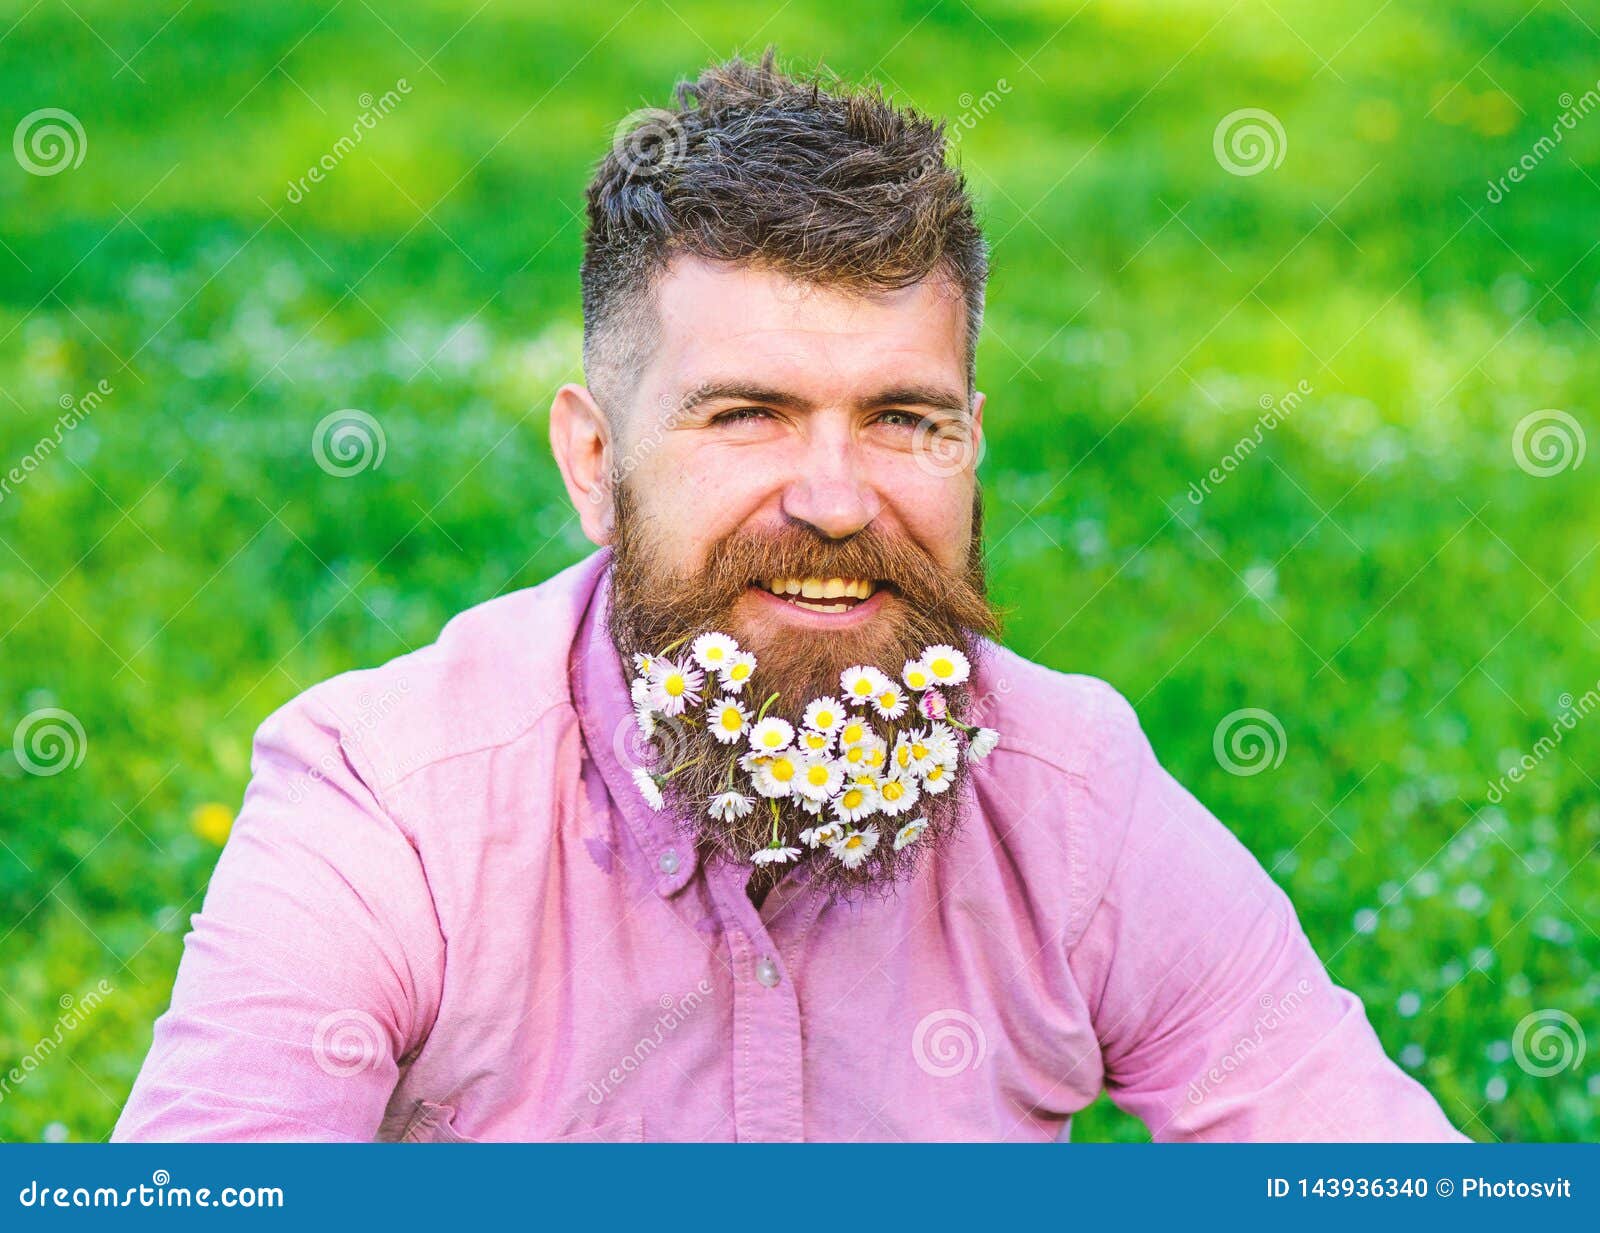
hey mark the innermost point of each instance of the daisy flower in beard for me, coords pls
(727, 720)
(771, 735)
(730, 806)
(824, 714)
(866, 754)
(642, 664)
(936, 779)
(912, 754)
(910, 832)
(890, 700)
(861, 682)
(674, 687)
(736, 673)
(982, 744)
(942, 743)
(812, 807)
(916, 675)
(895, 796)
(642, 714)
(777, 854)
(813, 742)
(777, 778)
(855, 847)
(933, 705)
(853, 731)
(822, 835)
(857, 800)
(946, 665)
(712, 651)
(819, 778)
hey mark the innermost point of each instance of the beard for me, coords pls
(920, 603)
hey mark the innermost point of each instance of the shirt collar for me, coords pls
(605, 717)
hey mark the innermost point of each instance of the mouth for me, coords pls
(833, 599)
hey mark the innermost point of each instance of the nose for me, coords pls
(830, 491)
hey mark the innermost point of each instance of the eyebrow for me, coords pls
(913, 395)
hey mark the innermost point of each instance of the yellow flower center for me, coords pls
(772, 739)
(917, 679)
(824, 719)
(817, 775)
(887, 699)
(936, 773)
(715, 654)
(862, 688)
(853, 842)
(853, 732)
(942, 668)
(902, 755)
(893, 790)
(782, 770)
(853, 798)
(919, 752)
(674, 684)
(854, 754)
(739, 671)
(732, 720)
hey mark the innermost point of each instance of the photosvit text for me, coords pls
(1417, 1188)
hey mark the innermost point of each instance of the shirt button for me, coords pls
(767, 971)
(668, 864)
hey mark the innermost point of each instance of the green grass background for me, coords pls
(1381, 575)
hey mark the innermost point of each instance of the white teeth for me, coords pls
(818, 588)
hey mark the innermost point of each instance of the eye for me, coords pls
(902, 419)
(741, 415)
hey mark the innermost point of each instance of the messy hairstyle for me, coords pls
(826, 184)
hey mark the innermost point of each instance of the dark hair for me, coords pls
(834, 186)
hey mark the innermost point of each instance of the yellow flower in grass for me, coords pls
(212, 822)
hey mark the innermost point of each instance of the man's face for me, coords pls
(809, 418)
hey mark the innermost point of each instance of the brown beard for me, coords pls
(652, 608)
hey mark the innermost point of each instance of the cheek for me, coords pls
(936, 510)
(694, 497)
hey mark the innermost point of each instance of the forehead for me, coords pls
(728, 320)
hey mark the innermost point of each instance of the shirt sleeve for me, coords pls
(312, 970)
(1216, 1019)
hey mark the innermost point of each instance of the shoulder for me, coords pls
(496, 671)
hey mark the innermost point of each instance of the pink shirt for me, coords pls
(445, 914)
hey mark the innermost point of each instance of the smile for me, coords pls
(831, 595)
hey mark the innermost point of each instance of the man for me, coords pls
(522, 885)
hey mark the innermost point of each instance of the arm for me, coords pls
(313, 968)
(1215, 1017)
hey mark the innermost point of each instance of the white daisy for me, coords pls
(824, 714)
(727, 720)
(812, 807)
(853, 731)
(642, 714)
(675, 687)
(819, 778)
(936, 779)
(942, 743)
(916, 675)
(774, 856)
(866, 754)
(777, 777)
(910, 832)
(737, 671)
(711, 651)
(814, 742)
(771, 735)
(912, 754)
(946, 665)
(857, 800)
(982, 745)
(648, 788)
(855, 847)
(895, 796)
(822, 836)
(890, 700)
(641, 664)
(727, 806)
(861, 682)
(753, 761)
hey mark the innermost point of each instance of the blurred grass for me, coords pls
(1381, 575)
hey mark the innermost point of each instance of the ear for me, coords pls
(580, 438)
